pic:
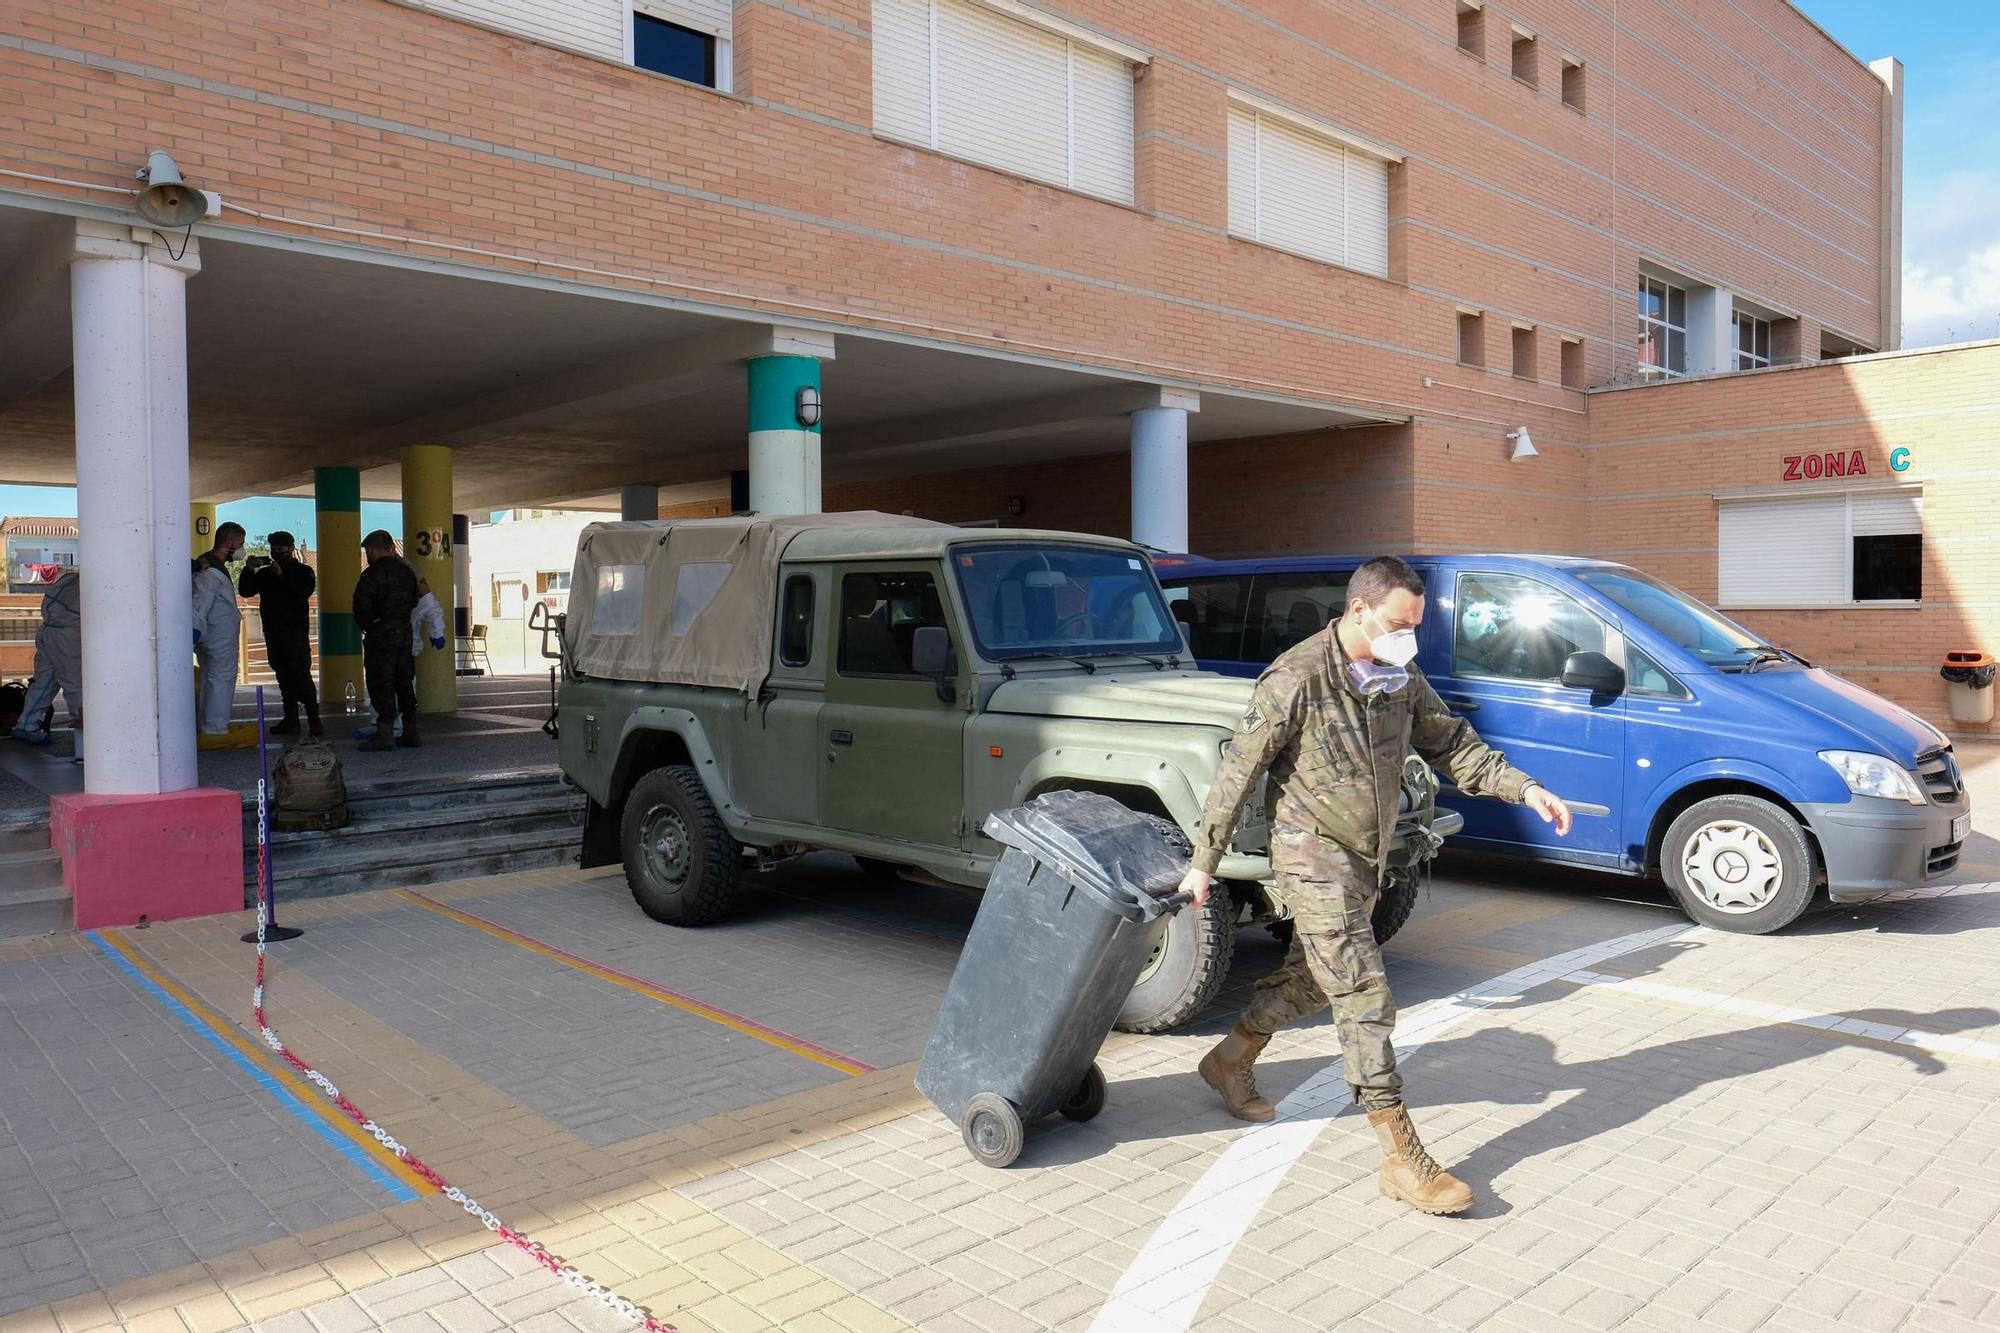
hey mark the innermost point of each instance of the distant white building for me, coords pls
(520, 560)
(38, 550)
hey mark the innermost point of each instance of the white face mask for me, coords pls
(1394, 647)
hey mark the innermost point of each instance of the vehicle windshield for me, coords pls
(1697, 627)
(1062, 601)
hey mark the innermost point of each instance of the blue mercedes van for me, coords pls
(1746, 777)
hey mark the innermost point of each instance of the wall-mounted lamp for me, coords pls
(807, 406)
(1524, 445)
(1016, 505)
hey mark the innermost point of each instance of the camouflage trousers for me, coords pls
(1333, 960)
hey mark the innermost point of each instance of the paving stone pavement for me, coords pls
(1783, 1133)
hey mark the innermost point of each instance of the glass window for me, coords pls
(668, 48)
(1662, 328)
(619, 606)
(1753, 341)
(1889, 567)
(695, 586)
(795, 622)
(1694, 626)
(1287, 609)
(880, 615)
(1213, 611)
(1062, 601)
(1645, 676)
(1518, 629)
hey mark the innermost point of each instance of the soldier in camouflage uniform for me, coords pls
(1330, 723)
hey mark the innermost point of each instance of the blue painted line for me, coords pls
(345, 1146)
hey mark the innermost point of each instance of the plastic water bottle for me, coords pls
(350, 696)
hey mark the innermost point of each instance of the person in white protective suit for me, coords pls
(426, 630)
(218, 627)
(58, 660)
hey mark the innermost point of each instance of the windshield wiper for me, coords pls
(1089, 667)
(1763, 653)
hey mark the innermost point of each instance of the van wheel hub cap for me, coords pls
(1732, 867)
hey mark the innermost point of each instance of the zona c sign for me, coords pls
(1812, 467)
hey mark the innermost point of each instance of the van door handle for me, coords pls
(1462, 705)
(840, 738)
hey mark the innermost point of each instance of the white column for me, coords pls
(1160, 477)
(639, 504)
(1711, 335)
(1890, 71)
(128, 319)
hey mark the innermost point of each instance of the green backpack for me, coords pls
(308, 791)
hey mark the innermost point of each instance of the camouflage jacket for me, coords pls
(1337, 757)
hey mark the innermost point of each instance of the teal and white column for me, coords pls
(784, 435)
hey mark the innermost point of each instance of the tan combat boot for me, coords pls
(1411, 1174)
(1227, 1070)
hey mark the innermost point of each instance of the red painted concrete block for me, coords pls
(156, 858)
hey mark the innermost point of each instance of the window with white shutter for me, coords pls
(1296, 190)
(1820, 550)
(967, 80)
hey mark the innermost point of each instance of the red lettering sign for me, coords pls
(1811, 467)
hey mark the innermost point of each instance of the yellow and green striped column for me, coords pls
(201, 522)
(427, 531)
(337, 533)
(784, 453)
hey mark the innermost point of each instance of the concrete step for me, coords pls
(551, 843)
(413, 829)
(31, 877)
(384, 799)
(19, 836)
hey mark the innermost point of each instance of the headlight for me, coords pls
(1872, 775)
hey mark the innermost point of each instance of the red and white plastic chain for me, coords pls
(638, 1314)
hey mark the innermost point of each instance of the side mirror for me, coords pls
(1594, 672)
(930, 655)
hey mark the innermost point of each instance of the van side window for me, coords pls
(795, 622)
(1287, 609)
(1645, 676)
(1518, 629)
(1213, 612)
(880, 615)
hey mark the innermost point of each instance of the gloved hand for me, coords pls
(437, 643)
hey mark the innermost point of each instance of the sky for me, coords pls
(1950, 51)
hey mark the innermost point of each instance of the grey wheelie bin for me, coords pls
(1070, 915)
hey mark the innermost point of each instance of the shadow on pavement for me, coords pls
(1618, 1090)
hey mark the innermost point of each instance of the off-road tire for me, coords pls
(1392, 909)
(705, 893)
(1798, 863)
(1199, 946)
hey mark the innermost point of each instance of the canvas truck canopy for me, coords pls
(692, 602)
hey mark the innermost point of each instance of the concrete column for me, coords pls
(337, 534)
(639, 504)
(461, 578)
(201, 521)
(784, 455)
(1160, 477)
(1711, 345)
(128, 320)
(427, 545)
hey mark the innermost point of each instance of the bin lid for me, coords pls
(1967, 657)
(1096, 843)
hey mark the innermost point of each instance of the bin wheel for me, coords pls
(993, 1130)
(1088, 1099)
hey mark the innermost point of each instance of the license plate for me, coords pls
(1960, 827)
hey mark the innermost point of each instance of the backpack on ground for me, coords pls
(308, 791)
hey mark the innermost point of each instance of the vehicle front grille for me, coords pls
(1938, 771)
(1942, 860)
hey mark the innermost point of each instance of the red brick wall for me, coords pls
(1659, 455)
(1748, 154)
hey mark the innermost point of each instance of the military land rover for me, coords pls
(737, 692)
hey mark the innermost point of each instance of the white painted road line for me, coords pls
(1163, 1288)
